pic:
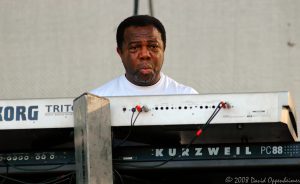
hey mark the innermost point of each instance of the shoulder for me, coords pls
(109, 88)
(177, 87)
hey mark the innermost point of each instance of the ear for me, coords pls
(119, 51)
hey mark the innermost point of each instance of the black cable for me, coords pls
(151, 7)
(37, 170)
(71, 179)
(136, 7)
(129, 132)
(53, 179)
(12, 179)
(62, 181)
(119, 175)
(136, 118)
(4, 179)
(216, 111)
(130, 128)
(56, 179)
(6, 173)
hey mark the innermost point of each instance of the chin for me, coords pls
(145, 81)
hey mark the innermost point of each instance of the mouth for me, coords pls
(145, 69)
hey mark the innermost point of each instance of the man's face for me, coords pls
(142, 54)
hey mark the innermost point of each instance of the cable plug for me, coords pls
(145, 108)
(142, 108)
(225, 105)
(138, 108)
(133, 109)
(199, 132)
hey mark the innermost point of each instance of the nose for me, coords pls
(144, 53)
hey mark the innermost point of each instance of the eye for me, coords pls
(133, 48)
(153, 47)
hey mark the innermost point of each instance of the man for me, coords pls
(141, 42)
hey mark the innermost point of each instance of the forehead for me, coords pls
(139, 33)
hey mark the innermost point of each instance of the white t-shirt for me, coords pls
(120, 86)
